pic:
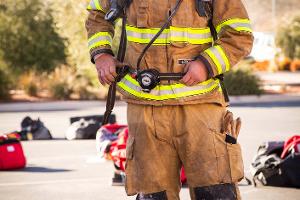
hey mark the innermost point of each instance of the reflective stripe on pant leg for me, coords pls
(225, 191)
(154, 196)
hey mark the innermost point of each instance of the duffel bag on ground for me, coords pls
(34, 130)
(11, 152)
(85, 127)
(270, 168)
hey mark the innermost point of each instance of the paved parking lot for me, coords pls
(61, 169)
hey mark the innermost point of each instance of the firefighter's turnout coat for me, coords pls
(187, 37)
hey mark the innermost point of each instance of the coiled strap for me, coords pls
(121, 72)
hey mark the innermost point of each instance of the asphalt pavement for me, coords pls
(64, 170)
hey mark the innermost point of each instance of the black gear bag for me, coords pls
(269, 169)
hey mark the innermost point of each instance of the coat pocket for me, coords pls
(235, 162)
(142, 14)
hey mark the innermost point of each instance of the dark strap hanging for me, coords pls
(121, 72)
(207, 9)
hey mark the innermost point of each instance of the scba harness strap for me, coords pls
(147, 79)
(150, 78)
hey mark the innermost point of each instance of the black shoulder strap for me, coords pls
(205, 8)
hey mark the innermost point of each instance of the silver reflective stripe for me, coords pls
(237, 25)
(220, 58)
(194, 88)
(93, 5)
(172, 34)
(145, 36)
(190, 35)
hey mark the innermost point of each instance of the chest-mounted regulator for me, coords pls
(116, 9)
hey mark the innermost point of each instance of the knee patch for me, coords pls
(225, 191)
(153, 196)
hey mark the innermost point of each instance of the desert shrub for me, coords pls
(60, 82)
(31, 89)
(242, 82)
(30, 82)
(68, 83)
(61, 90)
(83, 87)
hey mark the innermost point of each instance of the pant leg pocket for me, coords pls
(129, 148)
(235, 162)
(130, 170)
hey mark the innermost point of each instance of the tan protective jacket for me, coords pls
(187, 36)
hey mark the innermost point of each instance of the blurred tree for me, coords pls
(288, 38)
(28, 36)
(70, 18)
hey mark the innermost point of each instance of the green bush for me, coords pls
(5, 84)
(242, 82)
(288, 38)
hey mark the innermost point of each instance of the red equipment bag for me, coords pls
(118, 150)
(291, 145)
(11, 152)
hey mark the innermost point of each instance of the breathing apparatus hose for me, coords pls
(121, 72)
(166, 24)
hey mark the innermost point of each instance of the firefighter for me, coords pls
(178, 122)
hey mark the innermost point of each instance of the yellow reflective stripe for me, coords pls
(145, 30)
(224, 57)
(215, 60)
(99, 39)
(99, 34)
(147, 40)
(95, 5)
(219, 58)
(237, 24)
(245, 29)
(165, 92)
(172, 34)
(98, 44)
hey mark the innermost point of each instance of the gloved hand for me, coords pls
(196, 73)
(230, 126)
(106, 68)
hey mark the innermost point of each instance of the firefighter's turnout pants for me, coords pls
(162, 139)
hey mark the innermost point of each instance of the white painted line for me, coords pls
(48, 182)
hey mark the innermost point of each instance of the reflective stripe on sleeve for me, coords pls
(237, 24)
(165, 92)
(172, 34)
(95, 5)
(99, 39)
(218, 56)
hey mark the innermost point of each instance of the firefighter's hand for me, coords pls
(106, 68)
(196, 73)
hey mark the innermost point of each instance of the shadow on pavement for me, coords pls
(34, 169)
(267, 104)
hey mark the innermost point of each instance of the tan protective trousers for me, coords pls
(162, 139)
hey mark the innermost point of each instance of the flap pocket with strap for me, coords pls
(130, 148)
